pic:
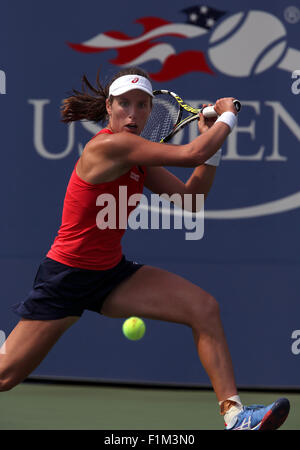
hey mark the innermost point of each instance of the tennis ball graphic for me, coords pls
(247, 43)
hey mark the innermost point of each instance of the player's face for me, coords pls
(129, 112)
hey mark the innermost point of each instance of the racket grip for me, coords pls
(209, 111)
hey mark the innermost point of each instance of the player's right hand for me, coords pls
(225, 104)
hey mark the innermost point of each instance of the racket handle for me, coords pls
(209, 111)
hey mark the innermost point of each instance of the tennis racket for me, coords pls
(167, 116)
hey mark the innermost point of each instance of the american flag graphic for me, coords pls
(135, 51)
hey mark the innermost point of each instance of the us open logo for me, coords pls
(239, 45)
(252, 47)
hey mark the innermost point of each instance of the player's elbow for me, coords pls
(195, 155)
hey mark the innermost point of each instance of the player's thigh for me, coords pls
(158, 294)
(28, 344)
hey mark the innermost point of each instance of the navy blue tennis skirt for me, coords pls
(60, 290)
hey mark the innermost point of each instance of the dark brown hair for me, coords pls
(90, 103)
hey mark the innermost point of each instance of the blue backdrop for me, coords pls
(249, 255)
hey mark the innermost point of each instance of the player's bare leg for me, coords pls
(26, 347)
(157, 294)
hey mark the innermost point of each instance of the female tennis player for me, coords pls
(85, 268)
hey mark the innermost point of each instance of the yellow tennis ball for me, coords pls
(134, 328)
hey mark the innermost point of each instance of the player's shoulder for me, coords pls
(98, 144)
(108, 143)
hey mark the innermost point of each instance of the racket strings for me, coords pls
(164, 116)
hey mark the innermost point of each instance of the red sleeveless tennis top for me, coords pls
(94, 219)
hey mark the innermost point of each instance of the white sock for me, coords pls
(234, 410)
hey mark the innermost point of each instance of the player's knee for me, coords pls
(211, 306)
(6, 384)
(206, 310)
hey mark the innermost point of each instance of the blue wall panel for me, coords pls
(249, 255)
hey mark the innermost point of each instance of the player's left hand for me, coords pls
(204, 123)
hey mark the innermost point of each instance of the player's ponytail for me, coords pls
(90, 103)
